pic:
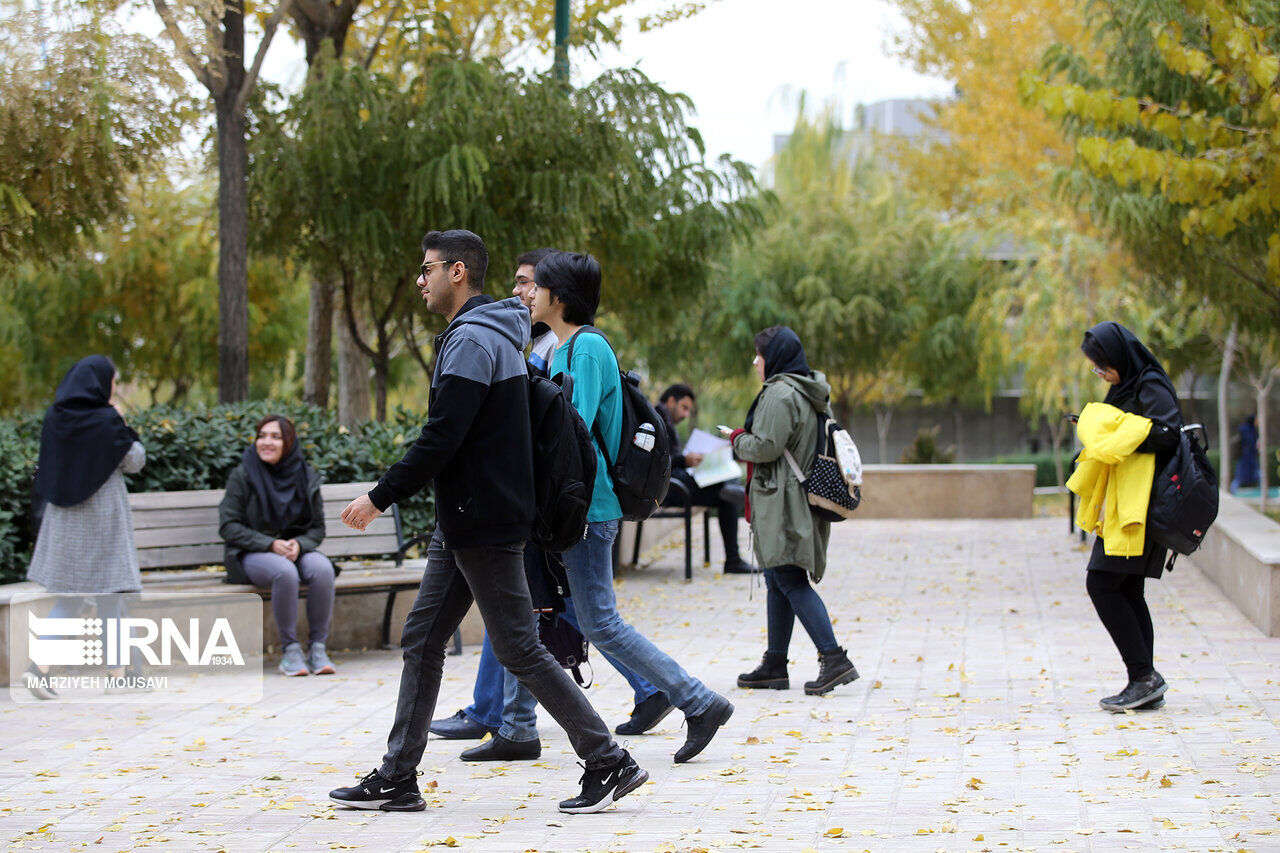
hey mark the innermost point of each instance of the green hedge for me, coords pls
(198, 448)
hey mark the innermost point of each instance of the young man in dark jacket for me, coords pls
(676, 404)
(477, 451)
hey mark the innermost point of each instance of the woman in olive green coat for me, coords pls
(789, 541)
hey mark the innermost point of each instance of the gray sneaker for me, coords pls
(318, 660)
(292, 662)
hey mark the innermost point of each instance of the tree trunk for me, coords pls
(1224, 417)
(884, 415)
(233, 211)
(958, 417)
(381, 368)
(1264, 464)
(353, 380)
(319, 343)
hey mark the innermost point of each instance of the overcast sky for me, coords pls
(744, 64)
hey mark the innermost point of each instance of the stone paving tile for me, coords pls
(974, 727)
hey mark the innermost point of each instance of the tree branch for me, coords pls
(377, 42)
(349, 313)
(268, 33)
(182, 47)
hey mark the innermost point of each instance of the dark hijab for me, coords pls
(783, 353)
(1119, 348)
(83, 439)
(281, 488)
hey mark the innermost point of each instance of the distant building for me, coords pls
(893, 117)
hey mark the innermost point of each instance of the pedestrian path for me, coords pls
(974, 727)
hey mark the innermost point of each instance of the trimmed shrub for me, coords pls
(924, 450)
(198, 448)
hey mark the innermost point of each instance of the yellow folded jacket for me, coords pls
(1113, 482)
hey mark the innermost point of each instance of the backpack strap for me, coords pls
(595, 422)
(791, 460)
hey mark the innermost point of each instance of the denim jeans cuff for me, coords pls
(517, 735)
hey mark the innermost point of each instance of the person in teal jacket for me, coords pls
(566, 298)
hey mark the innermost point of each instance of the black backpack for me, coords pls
(641, 474)
(1184, 497)
(548, 585)
(564, 463)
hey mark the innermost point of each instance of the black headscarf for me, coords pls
(83, 439)
(281, 488)
(783, 353)
(1131, 359)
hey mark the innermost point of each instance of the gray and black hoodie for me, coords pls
(476, 444)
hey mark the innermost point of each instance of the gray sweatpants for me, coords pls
(266, 568)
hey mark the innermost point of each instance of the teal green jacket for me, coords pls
(783, 529)
(597, 395)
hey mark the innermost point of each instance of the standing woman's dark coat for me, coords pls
(1144, 389)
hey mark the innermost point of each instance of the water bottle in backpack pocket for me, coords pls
(641, 474)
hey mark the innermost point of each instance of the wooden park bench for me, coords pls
(180, 529)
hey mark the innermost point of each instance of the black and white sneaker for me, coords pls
(604, 787)
(375, 791)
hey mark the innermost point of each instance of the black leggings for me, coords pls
(1119, 600)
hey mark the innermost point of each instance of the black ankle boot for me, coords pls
(835, 668)
(771, 674)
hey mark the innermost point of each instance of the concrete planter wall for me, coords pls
(1241, 553)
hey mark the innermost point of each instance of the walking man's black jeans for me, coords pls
(494, 576)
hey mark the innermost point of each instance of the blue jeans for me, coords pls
(487, 694)
(590, 565)
(519, 710)
(494, 578)
(790, 597)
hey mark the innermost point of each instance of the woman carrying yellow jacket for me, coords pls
(1139, 386)
(1112, 479)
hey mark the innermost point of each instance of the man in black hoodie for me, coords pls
(477, 451)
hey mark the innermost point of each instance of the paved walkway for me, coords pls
(974, 727)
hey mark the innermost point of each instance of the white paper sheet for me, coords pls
(718, 466)
(704, 442)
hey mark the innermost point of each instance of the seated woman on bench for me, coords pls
(272, 520)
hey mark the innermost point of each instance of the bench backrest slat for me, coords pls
(181, 528)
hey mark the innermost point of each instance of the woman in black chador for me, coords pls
(86, 545)
(1139, 385)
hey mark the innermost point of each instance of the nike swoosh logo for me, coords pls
(387, 790)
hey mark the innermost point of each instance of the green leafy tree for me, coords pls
(143, 291)
(1177, 138)
(877, 287)
(209, 39)
(360, 166)
(71, 137)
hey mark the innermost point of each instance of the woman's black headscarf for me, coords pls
(783, 353)
(281, 488)
(83, 438)
(1129, 357)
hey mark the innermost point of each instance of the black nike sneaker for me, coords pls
(375, 791)
(603, 787)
